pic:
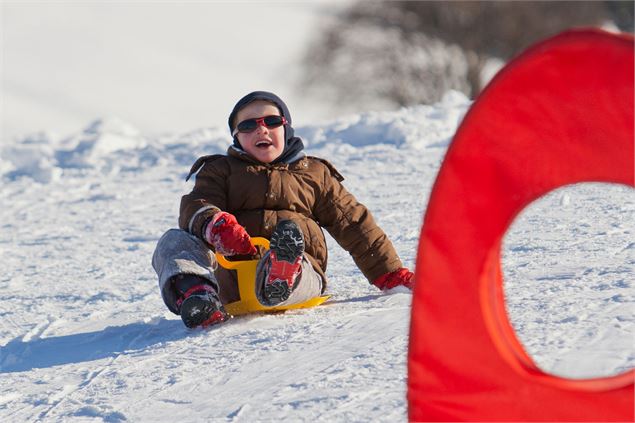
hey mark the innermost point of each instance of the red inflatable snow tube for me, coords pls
(560, 113)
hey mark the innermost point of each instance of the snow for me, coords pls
(85, 336)
(160, 65)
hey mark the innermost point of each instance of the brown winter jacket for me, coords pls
(307, 191)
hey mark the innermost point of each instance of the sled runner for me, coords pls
(248, 302)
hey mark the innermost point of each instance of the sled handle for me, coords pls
(233, 265)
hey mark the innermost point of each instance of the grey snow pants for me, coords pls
(179, 252)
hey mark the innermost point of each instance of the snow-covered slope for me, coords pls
(85, 337)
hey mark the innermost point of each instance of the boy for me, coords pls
(265, 186)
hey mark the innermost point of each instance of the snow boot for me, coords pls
(285, 259)
(198, 302)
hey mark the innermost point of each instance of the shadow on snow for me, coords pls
(19, 356)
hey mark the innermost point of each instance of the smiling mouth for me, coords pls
(263, 144)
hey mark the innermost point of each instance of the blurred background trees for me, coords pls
(387, 54)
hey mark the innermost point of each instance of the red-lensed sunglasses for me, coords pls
(250, 125)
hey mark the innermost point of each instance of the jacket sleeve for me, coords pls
(354, 228)
(208, 196)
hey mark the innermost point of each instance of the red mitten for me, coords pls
(400, 277)
(227, 237)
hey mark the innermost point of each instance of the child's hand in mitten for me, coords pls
(227, 237)
(400, 277)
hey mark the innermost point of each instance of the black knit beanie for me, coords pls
(292, 144)
(265, 96)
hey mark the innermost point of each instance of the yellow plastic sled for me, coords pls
(248, 302)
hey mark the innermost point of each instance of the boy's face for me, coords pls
(264, 144)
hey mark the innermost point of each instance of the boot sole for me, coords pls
(286, 244)
(287, 241)
(277, 292)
